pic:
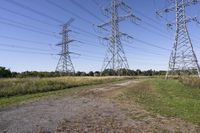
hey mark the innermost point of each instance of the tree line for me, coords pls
(7, 73)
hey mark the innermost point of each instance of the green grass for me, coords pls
(22, 98)
(14, 91)
(167, 97)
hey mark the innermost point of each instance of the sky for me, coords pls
(29, 32)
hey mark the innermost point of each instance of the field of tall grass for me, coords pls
(14, 87)
(190, 81)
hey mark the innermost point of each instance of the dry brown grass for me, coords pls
(13, 87)
(190, 81)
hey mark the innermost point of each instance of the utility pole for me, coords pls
(65, 64)
(115, 58)
(183, 59)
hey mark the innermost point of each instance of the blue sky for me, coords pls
(28, 40)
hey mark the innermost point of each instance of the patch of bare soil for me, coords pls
(121, 117)
(89, 111)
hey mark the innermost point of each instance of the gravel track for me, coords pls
(84, 113)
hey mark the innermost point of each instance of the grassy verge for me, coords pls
(167, 97)
(6, 101)
(14, 91)
(14, 87)
(190, 81)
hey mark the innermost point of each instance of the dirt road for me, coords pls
(87, 111)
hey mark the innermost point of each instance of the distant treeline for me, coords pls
(6, 73)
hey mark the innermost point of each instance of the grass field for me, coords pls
(190, 81)
(169, 98)
(18, 90)
(13, 87)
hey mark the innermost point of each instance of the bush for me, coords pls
(5, 73)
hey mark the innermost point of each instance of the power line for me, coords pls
(133, 47)
(97, 35)
(144, 51)
(75, 28)
(85, 43)
(151, 25)
(90, 58)
(37, 20)
(146, 43)
(66, 10)
(23, 47)
(23, 40)
(96, 3)
(136, 39)
(26, 16)
(142, 14)
(140, 26)
(86, 10)
(28, 29)
(84, 31)
(141, 41)
(160, 34)
(90, 44)
(33, 52)
(40, 13)
(33, 10)
(149, 18)
(150, 44)
(25, 52)
(27, 25)
(30, 48)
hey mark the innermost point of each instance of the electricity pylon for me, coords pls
(65, 64)
(183, 59)
(115, 58)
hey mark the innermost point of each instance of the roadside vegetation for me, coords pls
(7, 73)
(190, 81)
(16, 90)
(169, 98)
(13, 87)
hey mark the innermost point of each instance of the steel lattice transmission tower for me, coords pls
(65, 64)
(115, 58)
(183, 59)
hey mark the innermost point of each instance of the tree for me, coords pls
(5, 73)
(109, 72)
(14, 74)
(96, 73)
(138, 72)
(78, 73)
(83, 74)
(91, 73)
(148, 73)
